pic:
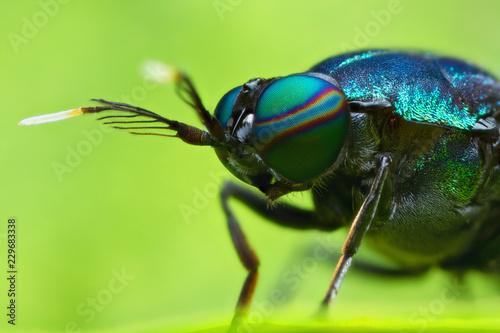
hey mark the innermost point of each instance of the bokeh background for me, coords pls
(93, 204)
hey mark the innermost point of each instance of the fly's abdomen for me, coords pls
(436, 211)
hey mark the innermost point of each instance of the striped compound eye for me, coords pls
(300, 126)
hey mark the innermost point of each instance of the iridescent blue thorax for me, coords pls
(422, 87)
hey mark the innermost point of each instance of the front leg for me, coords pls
(283, 214)
(359, 227)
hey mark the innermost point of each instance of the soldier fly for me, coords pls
(401, 147)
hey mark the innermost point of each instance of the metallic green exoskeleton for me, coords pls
(403, 145)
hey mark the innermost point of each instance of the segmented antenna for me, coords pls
(186, 91)
(139, 121)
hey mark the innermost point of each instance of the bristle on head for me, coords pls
(47, 118)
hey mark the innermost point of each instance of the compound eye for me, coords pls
(224, 108)
(300, 126)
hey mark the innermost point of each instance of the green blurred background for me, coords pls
(118, 205)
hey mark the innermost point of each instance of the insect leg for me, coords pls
(359, 227)
(284, 215)
(247, 257)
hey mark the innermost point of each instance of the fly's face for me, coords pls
(280, 135)
(290, 131)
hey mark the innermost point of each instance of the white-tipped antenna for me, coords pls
(47, 118)
(159, 72)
